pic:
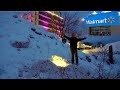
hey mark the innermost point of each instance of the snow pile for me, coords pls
(116, 46)
(109, 70)
(39, 71)
(20, 45)
(103, 39)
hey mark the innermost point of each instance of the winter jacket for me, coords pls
(73, 41)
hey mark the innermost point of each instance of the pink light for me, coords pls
(21, 15)
(44, 21)
(61, 27)
(57, 21)
(45, 27)
(29, 17)
(32, 12)
(44, 16)
(58, 26)
(58, 31)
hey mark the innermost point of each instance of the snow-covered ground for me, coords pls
(104, 39)
(34, 58)
(41, 47)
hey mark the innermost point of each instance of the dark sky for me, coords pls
(82, 13)
(86, 13)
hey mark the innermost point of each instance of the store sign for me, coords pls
(103, 19)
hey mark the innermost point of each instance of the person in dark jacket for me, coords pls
(73, 46)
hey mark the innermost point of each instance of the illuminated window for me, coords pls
(44, 23)
(45, 19)
(45, 13)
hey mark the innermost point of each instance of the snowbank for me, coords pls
(16, 30)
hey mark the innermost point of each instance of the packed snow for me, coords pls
(104, 39)
(26, 52)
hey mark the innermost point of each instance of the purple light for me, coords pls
(46, 24)
(44, 16)
(59, 22)
(58, 26)
(61, 27)
(44, 21)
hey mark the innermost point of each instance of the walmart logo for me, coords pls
(105, 20)
(102, 19)
(111, 20)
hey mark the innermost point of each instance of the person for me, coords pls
(73, 46)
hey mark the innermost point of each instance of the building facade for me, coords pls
(100, 28)
(49, 20)
(103, 24)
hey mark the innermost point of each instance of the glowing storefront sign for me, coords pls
(103, 19)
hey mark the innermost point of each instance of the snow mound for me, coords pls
(24, 43)
(47, 70)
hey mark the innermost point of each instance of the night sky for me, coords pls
(82, 13)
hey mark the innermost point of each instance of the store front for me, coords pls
(102, 24)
